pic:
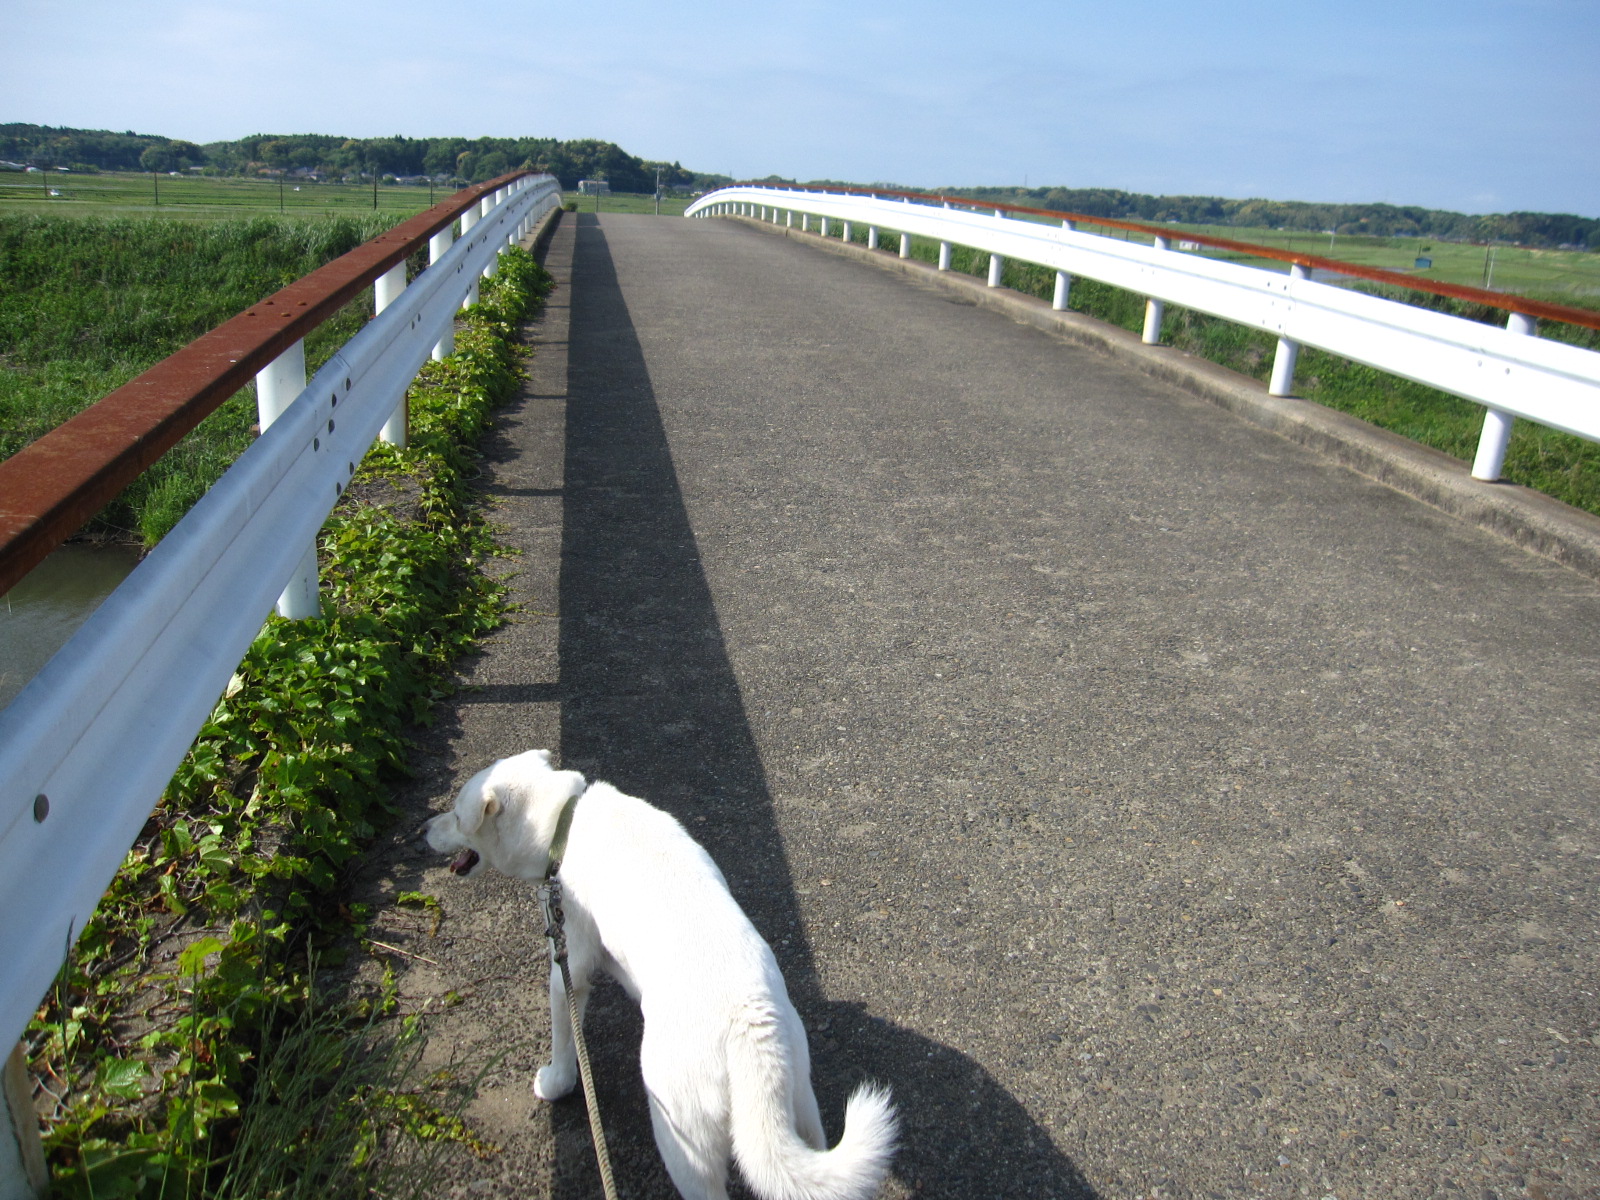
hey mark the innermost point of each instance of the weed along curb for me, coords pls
(1529, 518)
(183, 1050)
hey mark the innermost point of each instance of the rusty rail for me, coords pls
(52, 486)
(1501, 300)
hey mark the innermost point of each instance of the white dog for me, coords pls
(724, 1056)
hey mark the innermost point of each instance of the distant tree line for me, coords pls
(471, 160)
(1382, 220)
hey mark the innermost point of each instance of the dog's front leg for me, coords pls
(561, 1076)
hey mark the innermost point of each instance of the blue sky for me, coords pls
(1472, 105)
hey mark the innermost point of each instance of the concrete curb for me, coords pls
(537, 242)
(1530, 519)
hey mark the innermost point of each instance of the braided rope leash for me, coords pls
(555, 930)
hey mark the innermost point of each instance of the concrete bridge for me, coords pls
(1159, 806)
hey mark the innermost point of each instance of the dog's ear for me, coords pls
(563, 785)
(478, 800)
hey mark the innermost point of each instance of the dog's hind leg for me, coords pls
(690, 1125)
(696, 1174)
(561, 1076)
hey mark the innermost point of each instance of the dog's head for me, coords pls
(505, 817)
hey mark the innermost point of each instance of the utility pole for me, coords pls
(658, 191)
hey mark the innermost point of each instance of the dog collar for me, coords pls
(558, 844)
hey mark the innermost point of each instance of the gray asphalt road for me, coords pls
(1160, 809)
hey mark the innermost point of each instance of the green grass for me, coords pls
(626, 202)
(1556, 463)
(1556, 275)
(86, 304)
(202, 198)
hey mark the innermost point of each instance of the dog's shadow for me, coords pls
(649, 701)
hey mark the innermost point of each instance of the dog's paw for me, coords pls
(552, 1083)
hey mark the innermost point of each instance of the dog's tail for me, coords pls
(773, 1158)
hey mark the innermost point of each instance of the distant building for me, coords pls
(593, 187)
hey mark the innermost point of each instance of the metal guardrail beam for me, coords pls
(1506, 370)
(55, 484)
(1541, 309)
(88, 746)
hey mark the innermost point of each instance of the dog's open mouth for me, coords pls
(465, 861)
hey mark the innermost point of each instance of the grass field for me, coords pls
(1559, 275)
(86, 304)
(198, 198)
(627, 202)
(1515, 269)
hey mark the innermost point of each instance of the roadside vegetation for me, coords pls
(1547, 460)
(186, 1050)
(86, 305)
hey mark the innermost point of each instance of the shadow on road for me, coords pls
(649, 702)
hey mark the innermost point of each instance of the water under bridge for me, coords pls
(1161, 807)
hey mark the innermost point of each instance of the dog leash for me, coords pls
(555, 930)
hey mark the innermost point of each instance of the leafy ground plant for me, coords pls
(184, 1051)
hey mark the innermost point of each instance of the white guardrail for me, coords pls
(88, 746)
(1509, 372)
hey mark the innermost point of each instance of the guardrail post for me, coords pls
(905, 245)
(788, 218)
(824, 227)
(469, 218)
(997, 264)
(805, 222)
(1288, 355)
(23, 1173)
(944, 256)
(386, 290)
(485, 206)
(1154, 309)
(278, 385)
(872, 237)
(1496, 435)
(1063, 293)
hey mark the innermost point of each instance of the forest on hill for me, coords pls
(470, 160)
